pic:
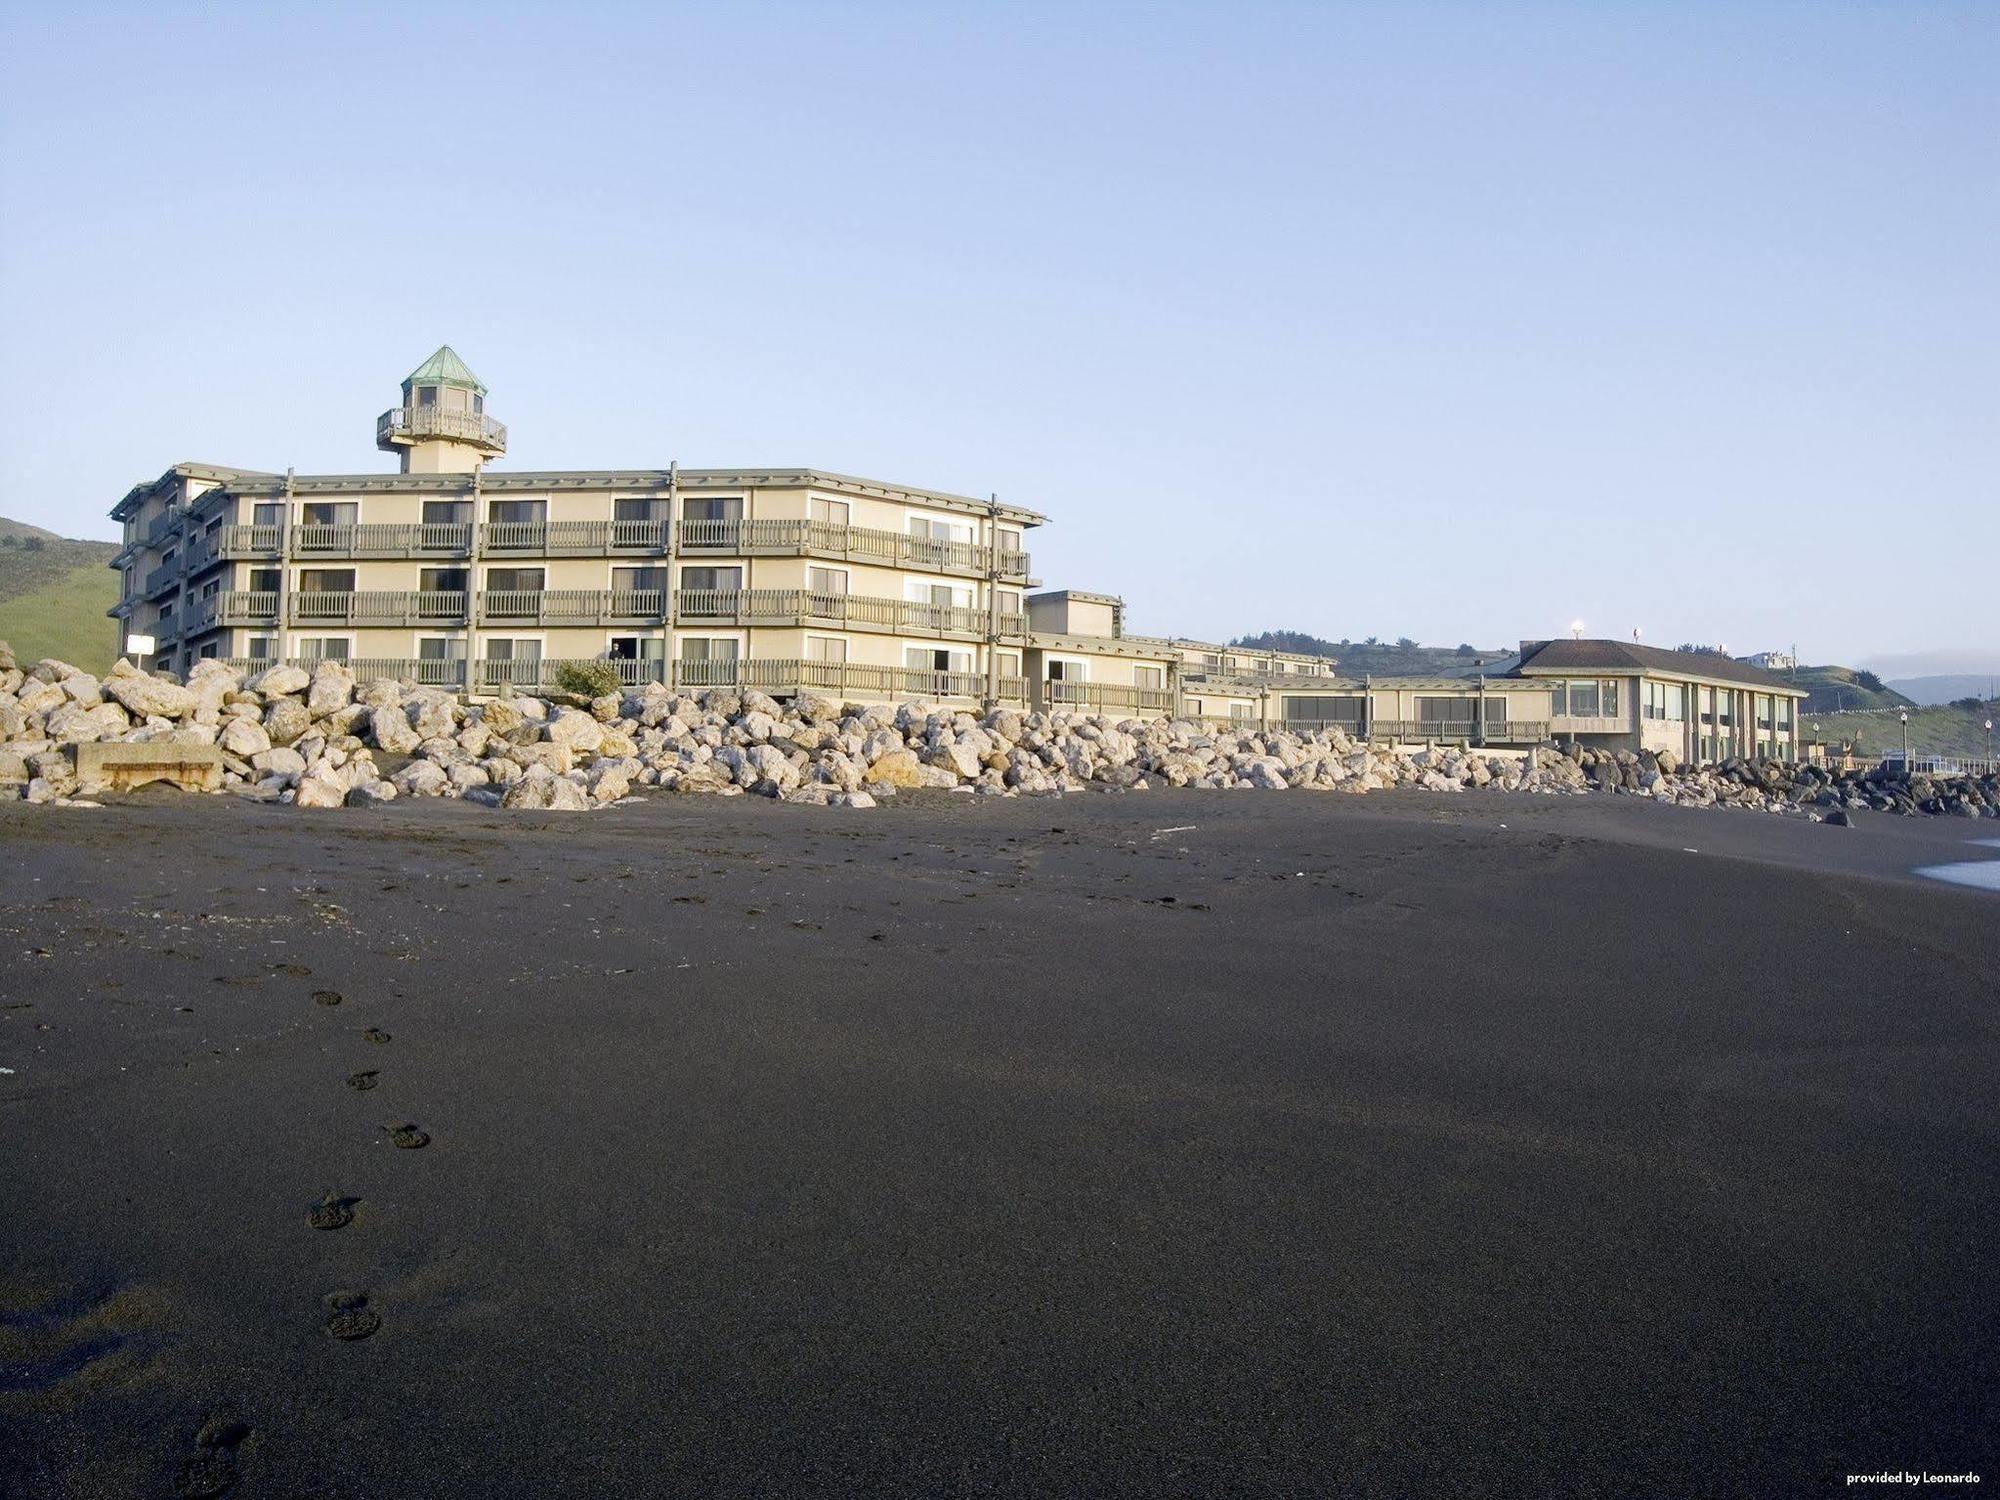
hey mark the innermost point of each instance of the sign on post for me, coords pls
(138, 645)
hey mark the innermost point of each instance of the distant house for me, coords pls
(1774, 661)
(1620, 696)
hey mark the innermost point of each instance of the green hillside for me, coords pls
(1947, 729)
(53, 595)
(1842, 689)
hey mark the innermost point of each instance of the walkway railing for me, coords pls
(573, 606)
(850, 611)
(383, 539)
(380, 607)
(850, 543)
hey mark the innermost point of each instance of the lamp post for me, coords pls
(1904, 715)
(1989, 742)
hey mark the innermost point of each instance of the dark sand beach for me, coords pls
(1155, 1144)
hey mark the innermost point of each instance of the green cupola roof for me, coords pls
(445, 368)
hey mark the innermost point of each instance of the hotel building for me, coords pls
(450, 574)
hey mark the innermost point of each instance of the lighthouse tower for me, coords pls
(442, 426)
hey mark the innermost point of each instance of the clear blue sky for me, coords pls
(1454, 321)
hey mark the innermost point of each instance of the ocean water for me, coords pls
(1984, 874)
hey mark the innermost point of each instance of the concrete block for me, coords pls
(119, 767)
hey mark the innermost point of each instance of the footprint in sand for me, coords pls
(364, 1080)
(212, 1471)
(350, 1317)
(326, 997)
(407, 1137)
(375, 1034)
(332, 1212)
(294, 971)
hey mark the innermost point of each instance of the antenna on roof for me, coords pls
(1576, 629)
(1636, 632)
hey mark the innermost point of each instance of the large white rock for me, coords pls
(390, 728)
(244, 737)
(579, 731)
(148, 696)
(280, 680)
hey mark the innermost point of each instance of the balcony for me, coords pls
(163, 526)
(836, 679)
(574, 538)
(1460, 731)
(840, 611)
(572, 607)
(401, 426)
(161, 579)
(1099, 697)
(251, 543)
(381, 607)
(378, 540)
(863, 544)
(242, 607)
(540, 674)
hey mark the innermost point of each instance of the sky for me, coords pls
(1461, 322)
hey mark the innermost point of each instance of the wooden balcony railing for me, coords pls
(1461, 731)
(161, 578)
(542, 674)
(849, 543)
(1108, 696)
(380, 607)
(384, 539)
(834, 678)
(251, 541)
(574, 538)
(423, 671)
(850, 611)
(244, 607)
(414, 423)
(573, 606)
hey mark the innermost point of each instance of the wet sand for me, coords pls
(1326, 1146)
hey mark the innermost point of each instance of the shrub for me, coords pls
(588, 679)
(1869, 680)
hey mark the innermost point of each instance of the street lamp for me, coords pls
(1904, 715)
(1989, 741)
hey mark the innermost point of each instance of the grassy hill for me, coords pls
(1842, 689)
(1946, 729)
(53, 595)
(1402, 658)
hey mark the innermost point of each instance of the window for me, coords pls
(208, 650)
(825, 648)
(1010, 542)
(1583, 700)
(931, 528)
(1010, 664)
(639, 578)
(936, 659)
(447, 512)
(1764, 712)
(726, 579)
(1458, 711)
(443, 580)
(323, 648)
(826, 580)
(1784, 713)
(427, 395)
(515, 580)
(1323, 710)
(1724, 707)
(1149, 677)
(712, 508)
(1663, 700)
(638, 648)
(1060, 669)
(261, 647)
(828, 512)
(326, 580)
(272, 514)
(478, 404)
(330, 512)
(440, 648)
(517, 512)
(210, 589)
(1010, 601)
(707, 648)
(504, 648)
(638, 510)
(942, 595)
(1242, 711)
